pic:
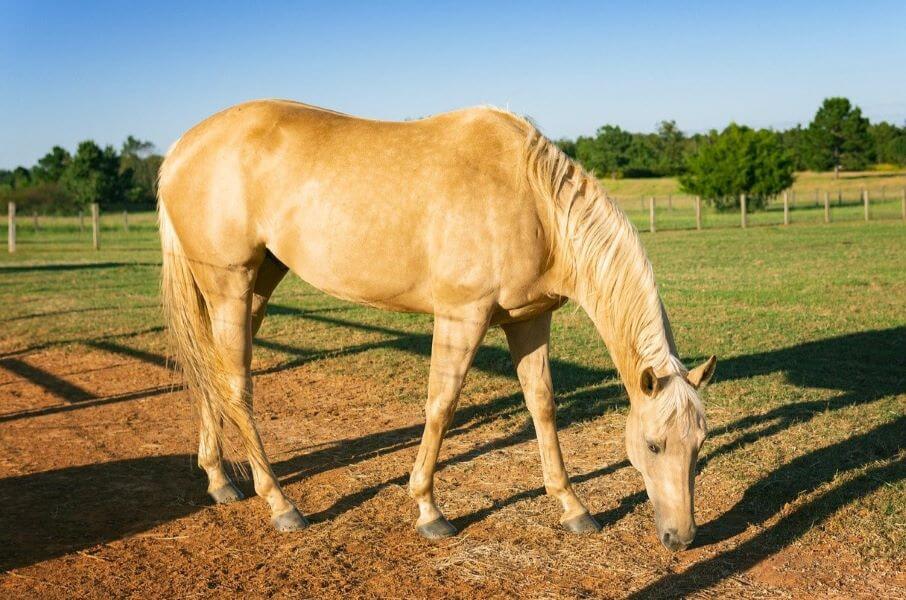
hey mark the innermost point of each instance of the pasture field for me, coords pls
(802, 483)
(851, 183)
(676, 210)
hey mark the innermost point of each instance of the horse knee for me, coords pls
(439, 415)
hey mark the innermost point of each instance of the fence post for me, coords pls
(651, 226)
(742, 210)
(81, 221)
(125, 221)
(670, 201)
(95, 226)
(698, 210)
(839, 197)
(34, 217)
(865, 201)
(903, 203)
(786, 208)
(827, 207)
(11, 231)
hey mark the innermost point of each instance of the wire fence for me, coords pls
(647, 213)
(676, 212)
(89, 229)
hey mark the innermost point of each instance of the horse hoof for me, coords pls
(226, 494)
(437, 529)
(584, 523)
(291, 520)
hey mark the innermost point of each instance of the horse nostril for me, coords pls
(671, 541)
(670, 538)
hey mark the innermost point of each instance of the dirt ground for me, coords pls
(101, 499)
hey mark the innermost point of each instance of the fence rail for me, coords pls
(672, 212)
(648, 213)
(84, 229)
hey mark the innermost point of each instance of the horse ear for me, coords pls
(649, 382)
(701, 375)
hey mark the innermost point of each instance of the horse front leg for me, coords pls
(456, 340)
(529, 342)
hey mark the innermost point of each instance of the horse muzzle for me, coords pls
(676, 542)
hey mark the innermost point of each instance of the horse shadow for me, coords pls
(58, 512)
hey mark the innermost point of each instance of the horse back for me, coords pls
(401, 215)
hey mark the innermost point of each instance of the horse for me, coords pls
(472, 216)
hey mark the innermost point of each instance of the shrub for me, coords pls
(738, 160)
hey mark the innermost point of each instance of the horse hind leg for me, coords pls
(230, 295)
(210, 458)
(270, 274)
(210, 453)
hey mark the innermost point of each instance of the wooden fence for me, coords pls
(787, 205)
(668, 213)
(11, 229)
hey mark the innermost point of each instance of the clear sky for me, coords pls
(102, 70)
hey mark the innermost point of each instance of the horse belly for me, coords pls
(352, 251)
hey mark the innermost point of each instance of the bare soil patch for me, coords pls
(101, 498)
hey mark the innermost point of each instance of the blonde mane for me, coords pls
(607, 267)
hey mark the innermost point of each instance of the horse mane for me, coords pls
(601, 253)
(606, 265)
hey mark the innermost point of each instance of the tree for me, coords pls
(672, 148)
(138, 161)
(567, 145)
(93, 175)
(838, 137)
(21, 178)
(606, 152)
(795, 141)
(737, 161)
(643, 156)
(51, 167)
(889, 142)
(615, 152)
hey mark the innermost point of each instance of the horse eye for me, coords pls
(653, 448)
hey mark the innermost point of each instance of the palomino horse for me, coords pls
(472, 216)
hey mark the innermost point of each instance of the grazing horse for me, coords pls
(471, 216)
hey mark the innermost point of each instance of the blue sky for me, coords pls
(102, 70)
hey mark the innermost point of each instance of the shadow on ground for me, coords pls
(74, 266)
(58, 512)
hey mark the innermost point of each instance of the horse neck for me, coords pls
(614, 283)
(599, 261)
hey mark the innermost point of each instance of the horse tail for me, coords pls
(188, 322)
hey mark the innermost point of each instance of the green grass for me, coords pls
(808, 321)
(675, 210)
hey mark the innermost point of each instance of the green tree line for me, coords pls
(719, 166)
(62, 182)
